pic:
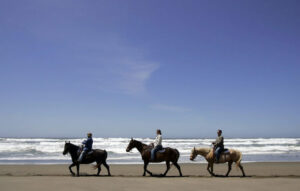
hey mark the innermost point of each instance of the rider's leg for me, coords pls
(217, 153)
(82, 155)
(153, 151)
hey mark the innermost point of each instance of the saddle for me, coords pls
(87, 154)
(225, 151)
(161, 151)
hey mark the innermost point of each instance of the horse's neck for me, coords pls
(202, 151)
(73, 150)
(140, 146)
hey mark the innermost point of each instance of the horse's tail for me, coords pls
(105, 154)
(178, 155)
(238, 162)
(98, 164)
(176, 152)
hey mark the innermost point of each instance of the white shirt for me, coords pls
(158, 140)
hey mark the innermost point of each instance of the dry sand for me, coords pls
(260, 176)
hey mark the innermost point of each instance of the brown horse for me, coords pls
(98, 156)
(208, 154)
(169, 155)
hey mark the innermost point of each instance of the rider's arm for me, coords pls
(158, 140)
(218, 141)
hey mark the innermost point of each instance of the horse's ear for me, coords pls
(69, 142)
(131, 138)
(194, 148)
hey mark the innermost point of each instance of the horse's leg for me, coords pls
(107, 167)
(99, 168)
(168, 167)
(229, 167)
(70, 168)
(209, 166)
(212, 169)
(145, 169)
(77, 166)
(178, 167)
(242, 169)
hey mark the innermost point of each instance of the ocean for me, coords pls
(49, 151)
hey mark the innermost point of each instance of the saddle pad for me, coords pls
(162, 151)
(226, 151)
(90, 152)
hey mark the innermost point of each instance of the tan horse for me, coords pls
(208, 154)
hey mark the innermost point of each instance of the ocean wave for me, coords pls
(51, 149)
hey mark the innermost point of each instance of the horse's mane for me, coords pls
(73, 147)
(139, 142)
(203, 149)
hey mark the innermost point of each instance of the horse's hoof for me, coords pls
(109, 175)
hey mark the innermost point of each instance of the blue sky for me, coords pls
(126, 68)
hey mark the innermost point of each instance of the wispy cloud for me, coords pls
(130, 76)
(120, 68)
(169, 108)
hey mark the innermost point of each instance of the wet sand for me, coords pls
(260, 176)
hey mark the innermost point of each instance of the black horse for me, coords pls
(98, 156)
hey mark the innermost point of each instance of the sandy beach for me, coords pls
(260, 176)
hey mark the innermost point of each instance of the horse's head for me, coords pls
(193, 154)
(66, 148)
(131, 145)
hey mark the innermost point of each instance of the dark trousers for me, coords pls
(218, 152)
(83, 154)
(154, 150)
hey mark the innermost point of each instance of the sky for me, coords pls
(127, 68)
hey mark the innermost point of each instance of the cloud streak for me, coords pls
(131, 76)
(119, 68)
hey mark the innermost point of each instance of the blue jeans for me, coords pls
(218, 152)
(154, 150)
(82, 155)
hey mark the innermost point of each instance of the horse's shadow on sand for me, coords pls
(162, 176)
(234, 176)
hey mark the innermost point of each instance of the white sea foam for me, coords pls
(39, 150)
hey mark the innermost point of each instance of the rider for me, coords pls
(88, 144)
(157, 144)
(218, 145)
